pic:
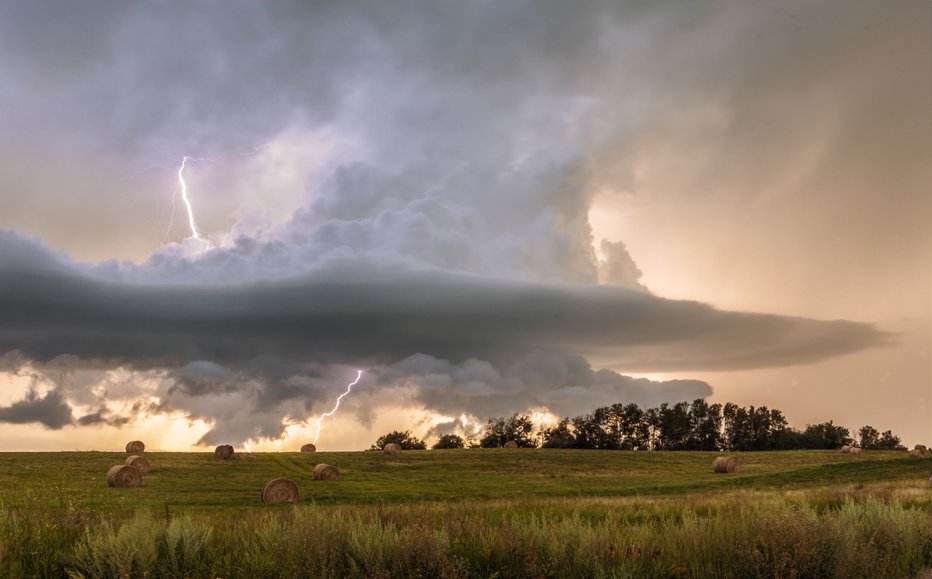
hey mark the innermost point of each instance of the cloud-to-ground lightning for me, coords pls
(171, 220)
(184, 196)
(336, 406)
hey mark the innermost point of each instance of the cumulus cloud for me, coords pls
(617, 267)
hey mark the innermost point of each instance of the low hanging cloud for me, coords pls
(354, 312)
(564, 384)
(252, 357)
(50, 410)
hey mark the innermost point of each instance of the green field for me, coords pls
(476, 512)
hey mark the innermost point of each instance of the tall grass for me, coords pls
(877, 532)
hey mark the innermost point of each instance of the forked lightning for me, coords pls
(349, 389)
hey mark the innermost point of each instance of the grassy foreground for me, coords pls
(477, 512)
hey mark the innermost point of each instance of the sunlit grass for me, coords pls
(478, 513)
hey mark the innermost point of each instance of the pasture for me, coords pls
(475, 512)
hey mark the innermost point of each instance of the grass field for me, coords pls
(476, 512)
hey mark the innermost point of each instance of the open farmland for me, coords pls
(182, 481)
(477, 512)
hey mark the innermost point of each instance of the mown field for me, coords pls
(476, 512)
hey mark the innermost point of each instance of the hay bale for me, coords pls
(124, 475)
(135, 447)
(919, 451)
(511, 444)
(392, 448)
(855, 450)
(140, 463)
(725, 464)
(326, 472)
(921, 447)
(223, 452)
(280, 490)
(308, 448)
(845, 449)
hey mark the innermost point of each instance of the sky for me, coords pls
(487, 208)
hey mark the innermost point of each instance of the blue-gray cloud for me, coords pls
(355, 312)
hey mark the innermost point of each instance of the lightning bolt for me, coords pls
(184, 196)
(349, 389)
(171, 220)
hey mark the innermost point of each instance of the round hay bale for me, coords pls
(726, 464)
(845, 449)
(326, 472)
(139, 462)
(855, 450)
(135, 447)
(392, 448)
(916, 453)
(223, 452)
(921, 447)
(308, 448)
(280, 490)
(511, 444)
(124, 475)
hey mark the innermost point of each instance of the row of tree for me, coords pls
(682, 426)
(699, 426)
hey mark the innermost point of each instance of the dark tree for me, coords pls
(518, 428)
(755, 429)
(635, 433)
(405, 439)
(787, 439)
(888, 441)
(587, 431)
(652, 427)
(604, 429)
(674, 426)
(826, 435)
(450, 441)
(781, 436)
(705, 426)
(736, 427)
(682, 426)
(868, 437)
(559, 436)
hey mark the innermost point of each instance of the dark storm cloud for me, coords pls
(565, 385)
(103, 417)
(50, 410)
(354, 314)
(461, 229)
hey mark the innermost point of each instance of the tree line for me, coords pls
(681, 426)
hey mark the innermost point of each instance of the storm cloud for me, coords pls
(50, 410)
(354, 313)
(407, 188)
(252, 357)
